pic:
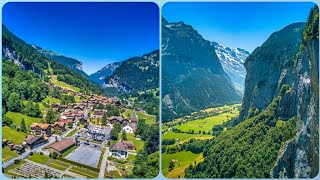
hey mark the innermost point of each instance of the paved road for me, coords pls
(104, 164)
(24, 155)
(27, 153)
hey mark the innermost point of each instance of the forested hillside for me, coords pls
(277, 132)
(27, 58)
(135, 74)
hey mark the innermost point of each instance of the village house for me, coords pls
(34, 141)
(98, 113)
(62, 146)
(19, 149)
(128, 129)
(82, 120)
(58, 107)
(59, 127)
(117, 119)
(69, 115)
(130, 145)
(41, 129)
(78, 114)
(118, 150)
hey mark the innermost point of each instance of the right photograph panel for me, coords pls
(240, 90)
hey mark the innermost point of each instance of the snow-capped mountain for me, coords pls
(101, 75)
(232, 61)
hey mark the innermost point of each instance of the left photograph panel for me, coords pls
(80, 90)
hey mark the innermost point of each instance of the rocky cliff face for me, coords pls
(192, 75)
(300, 158)
(232, 61)
(269, 67)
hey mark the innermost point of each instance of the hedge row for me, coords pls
(79, 164)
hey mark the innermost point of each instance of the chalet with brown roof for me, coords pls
(41, 129)
(129, 144)
(34, 141)
(18, 148)
(59, 127)
(117, 119)
(62, 146)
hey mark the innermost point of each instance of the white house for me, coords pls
(128, 129)
(118, 150)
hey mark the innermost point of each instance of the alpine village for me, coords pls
(59, 122)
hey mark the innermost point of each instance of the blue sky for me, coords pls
(94, 33)
(243, 25)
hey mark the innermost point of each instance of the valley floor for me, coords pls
(196, 126)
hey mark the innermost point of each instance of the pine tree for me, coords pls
(104, 118)
(124, 135)
(23, 126)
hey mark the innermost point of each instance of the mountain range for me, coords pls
(103, 73)
(192, 75)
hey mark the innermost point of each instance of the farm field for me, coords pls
(222, 107)
(184, 159)
(185, 136)
(206, 124)
(150, 119)
(41, 159)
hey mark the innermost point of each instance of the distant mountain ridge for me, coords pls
(106, 71)
(135, 74)
(192, 75)
(232, 61)
(71, 63)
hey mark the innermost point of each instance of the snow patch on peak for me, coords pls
(232, 61)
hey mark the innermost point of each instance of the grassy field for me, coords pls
(138, 143)
(12, 134)
(184, 158)
(7, 154)
(225, 107)
(150, 119)
(59, 165)
(41, 159)
(184, 136)
(84, 172)
(206, 124)
(72, 132)
(51, 100)
(16, 118)
(164, 127)
(63, 84)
